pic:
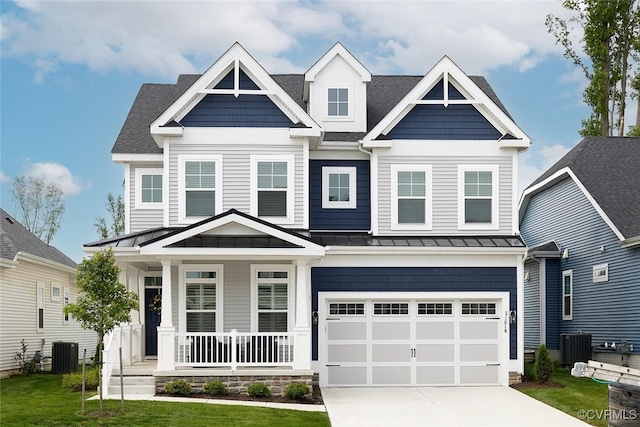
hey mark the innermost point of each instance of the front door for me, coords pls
(153, 304)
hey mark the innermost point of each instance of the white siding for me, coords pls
(18, 315)
(142, 219)
(445, 193)
(237, 283)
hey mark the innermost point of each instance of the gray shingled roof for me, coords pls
(383, 93)
(14, 238)
(609, 168)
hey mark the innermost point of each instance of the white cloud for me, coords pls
(536, 161)
(4, 177)
(56, 173)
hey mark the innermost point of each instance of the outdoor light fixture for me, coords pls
(314, 317)
(512, 316)
(565, 254)
(526, 276)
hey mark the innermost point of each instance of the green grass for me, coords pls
(40, 400)
(576, 395)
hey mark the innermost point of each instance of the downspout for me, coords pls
(370, 154)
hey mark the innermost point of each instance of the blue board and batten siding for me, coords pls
(358, 219)
(607, 310)
(414, 279)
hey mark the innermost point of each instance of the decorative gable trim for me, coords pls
(235, 60)
(337, 49)
(449, 72)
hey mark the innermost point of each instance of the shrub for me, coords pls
(73, 381)
(543, 366)
(180, 387)
(529, 371)
(216, 388)
(258, 390)
(297, 391)
(26, 364)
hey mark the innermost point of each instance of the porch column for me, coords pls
(125, 329)
(302, 328)
(136, 324)
(166, 331)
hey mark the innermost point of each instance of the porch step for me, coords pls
(132, 385)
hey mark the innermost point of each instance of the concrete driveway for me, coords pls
(441, 407)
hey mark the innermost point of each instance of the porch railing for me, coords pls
(234, 349)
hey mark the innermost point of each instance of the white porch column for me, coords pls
(136, 324)
(302, 328)
(125, 329)
(166, 331)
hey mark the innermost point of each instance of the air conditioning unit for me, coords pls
(64, 357)
(574, 348)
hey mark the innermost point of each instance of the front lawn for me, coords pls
(580, 397)
(40, 400)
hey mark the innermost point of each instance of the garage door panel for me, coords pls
(391, 330)
(435, 352)
(346, 330)
(435, 375)
(479, 374)
(435, 330)
(391, 353)
(391, 375)
(347, 353)
(479, 330)
(478, 352)
(347, 375)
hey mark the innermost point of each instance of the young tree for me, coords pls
(115, 208)
(610, 43)
(103, 303)
(39, 205)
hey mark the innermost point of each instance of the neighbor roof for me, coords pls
(15, 238)
(608, 169)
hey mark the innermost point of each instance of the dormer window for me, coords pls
(338, 102)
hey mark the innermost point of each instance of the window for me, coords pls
(435, 308)
(478, 308)
(338, 187)
(338, 102)
(411, 197)
(40, 307)
(56, 292)
(567, 295)
(346, 309)
(478, 197)
(272, 188)
(148, 188)
(390, 308)
(270, 301)
(200, 192)
(201, 298)
(66, 301)
(600, 273)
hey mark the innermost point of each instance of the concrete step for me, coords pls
(114, 390)
(132, 385)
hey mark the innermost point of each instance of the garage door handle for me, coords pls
(332, 366)
(492, 364)
(493, 318)
(332, 318)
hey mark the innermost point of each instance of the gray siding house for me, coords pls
(581, 222)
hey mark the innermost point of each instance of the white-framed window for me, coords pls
(478, 201)
(56, 292)
(199, 187)
(338, 102)
(272, 188)
(411, 197)
(201, 298)
(346, 309)
(601, 273)
(390, 308)
(478, 308)
(67, 300)
(40, 304)
(149, 190)
(339, 187)
(435, 308)
(271, 298)
(567, 295)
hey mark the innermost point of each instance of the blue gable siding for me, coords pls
(553, 301)
(437, 92)
(244, 81)
(243, 111)
(413, 279)
(607, 310)
(340, 219)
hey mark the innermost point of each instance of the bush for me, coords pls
(297, 391)
(26, 364)
(258, 390)
(529, 371)
(216, 388)
(543, 366)
(73, 381)
(180, 387)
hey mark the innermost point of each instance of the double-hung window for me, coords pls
(201, 295)
(338, 187)
(200, 189)
(148, 188)
(411, 197)
(478, 197)
(40, 307)
(272, 188)
(271, 298)
(567, 295)
(337, 102)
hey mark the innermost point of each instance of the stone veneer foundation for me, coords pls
(237, 383)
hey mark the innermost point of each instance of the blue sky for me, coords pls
(71, 70)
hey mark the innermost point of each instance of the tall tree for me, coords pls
(103, 303)
(115, 208)
(610, 43)
(39, 206)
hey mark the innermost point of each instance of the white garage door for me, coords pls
(416, 342)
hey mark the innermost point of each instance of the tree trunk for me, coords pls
(606, 88)
(100, 339)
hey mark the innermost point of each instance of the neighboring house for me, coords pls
(581, 221)
(360, 227)
(36, 281)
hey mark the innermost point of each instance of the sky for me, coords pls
(70, 71)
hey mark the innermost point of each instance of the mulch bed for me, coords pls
(315, 398)
(536, 384)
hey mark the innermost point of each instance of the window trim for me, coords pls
(338, 118)
(327, 171)
(60, 292)
(66, 300)
(182, 292)
(428, 197)
(569, 274)
(600, 267)
(290, 197)
(139, 204)
(182, 190)
(40, 305)
(495, 198)
(255, 269)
